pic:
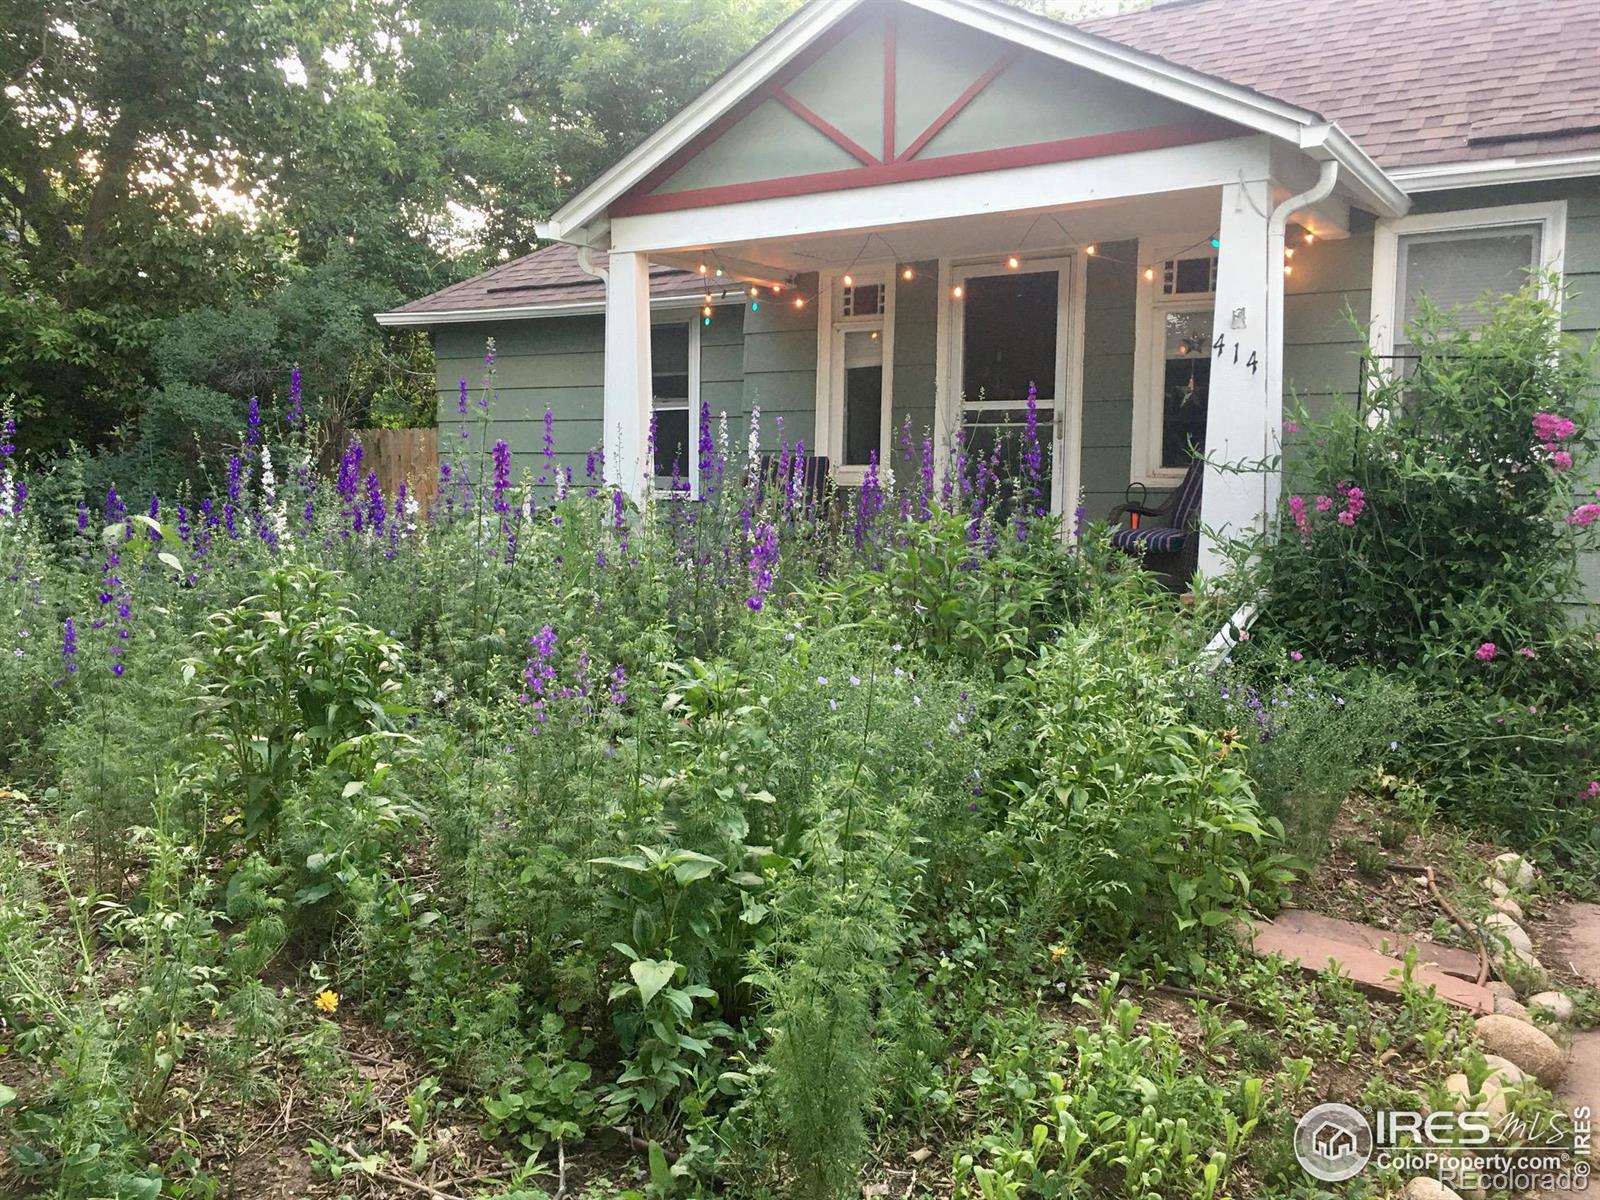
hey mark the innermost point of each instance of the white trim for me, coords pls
(1066, 405)
(579, 219)
(1491, 171)
(1040, 187)
(1149, 347)
(1070, 481)
(1551, 216)
(692, 450)
(528, 312)
(829, 431)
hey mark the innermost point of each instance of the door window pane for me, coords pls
(669, 388)
(1185, 386)
(863, 395)
(1009, 336)
(672, 443)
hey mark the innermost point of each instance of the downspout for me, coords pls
(586, 264)
(1236, 627)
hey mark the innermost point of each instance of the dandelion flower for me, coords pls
(327, 1001)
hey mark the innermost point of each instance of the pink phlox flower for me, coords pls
(1487, 652)
(1552, 427)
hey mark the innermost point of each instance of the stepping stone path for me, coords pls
(1371, 958)
(1575, 946)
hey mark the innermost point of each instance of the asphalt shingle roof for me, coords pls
(1413, 82)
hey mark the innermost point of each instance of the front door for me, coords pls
(1009, 331)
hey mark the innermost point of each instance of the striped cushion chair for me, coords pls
(1166, 529)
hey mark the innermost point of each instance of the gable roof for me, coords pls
(548, 282)
(1415, 82)
(580, 220)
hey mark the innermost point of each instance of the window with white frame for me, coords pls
(1455, 259)
(1172, 367)
(855, 352)
(674, 392)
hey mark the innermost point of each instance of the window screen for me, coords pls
(669, 387)
(1185, 386)
(863, 395)
(1459, 266)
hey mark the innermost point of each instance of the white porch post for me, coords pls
(627, 373)
(1245, 413)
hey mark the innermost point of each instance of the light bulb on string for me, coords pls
(703, 268)
(719, 272)
(1310, 237)
(1013, 262)
(1149, 274)
(1091, 249)
(956, 291)
(1288, 251)
(799, 301)
(755, 291)
(908, 274)
(706, 311)
(1287, 269)
(849, 280)
(1216, 243)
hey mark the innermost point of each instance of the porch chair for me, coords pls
(1166, 534)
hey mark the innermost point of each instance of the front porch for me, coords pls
(1148, 325)
(926, 207)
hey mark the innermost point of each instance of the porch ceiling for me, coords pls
(1024, 232)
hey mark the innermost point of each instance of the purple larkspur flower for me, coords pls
(763, 560)
(69, 646)
(252, 420)
(502, 476)
(295, 418)
(537, 673)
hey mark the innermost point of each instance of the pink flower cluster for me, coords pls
(1592, 792)
(1486, 652)
(1550, 430)
(1297, 509)
(1585, 515)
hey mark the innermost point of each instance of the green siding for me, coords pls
(916, 335)
(780, 367)
(1108, 331)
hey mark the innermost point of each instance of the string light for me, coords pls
(849, 280)
(908, 274)
(799, 301)
(706, 311)
(1013, 262)
(755, 291)
(1091, 249)
(719, 272)
(1287, 269)
(1288, 251)
(1310, 237)
(956, 291)
(776, 288)
(1149, 274)
(703, 268)
(1216, 243)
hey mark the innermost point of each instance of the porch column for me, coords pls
(627, 373)
(1245, 412)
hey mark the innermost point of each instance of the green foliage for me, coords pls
(1437, 537)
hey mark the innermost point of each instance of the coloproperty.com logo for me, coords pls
(1335, 1142)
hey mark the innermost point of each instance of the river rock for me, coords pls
(1495, 888)
(1528, 1047)
(1505, 928)
(1555, 1005)
(1508, 907)
(1423, 1188)
(1512, 869)
(1511, 1008)
(1498, 987)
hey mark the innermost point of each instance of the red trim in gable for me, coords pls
(1099, 145)
(890, 49)
(823, 126)
(960, 102)
(780, 79)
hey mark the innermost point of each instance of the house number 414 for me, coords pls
(1221, 345)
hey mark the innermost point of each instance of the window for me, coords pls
(674, 391)
(855, 375)
(1172, 367)
(1456, 258)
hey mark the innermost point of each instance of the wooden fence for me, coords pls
(408, 456)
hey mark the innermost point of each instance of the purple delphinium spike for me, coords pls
(549, 473)
(763, 559)
(537, 673)
(1032, 456)
(115, 508)
(69, 646)
(708, 442)
(619, 685)
(295, 418)
(184, 529)
(155, 515)
(590, 475)
(869, 501)
(83, 517)
(376, 510)
(252, 433)
(502, 476)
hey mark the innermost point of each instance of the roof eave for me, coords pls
(1489, 172)
(400, 318)
(1372, 187)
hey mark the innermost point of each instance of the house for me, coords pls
(914, 209)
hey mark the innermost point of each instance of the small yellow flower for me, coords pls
(327, 1001)
(1057, 953)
